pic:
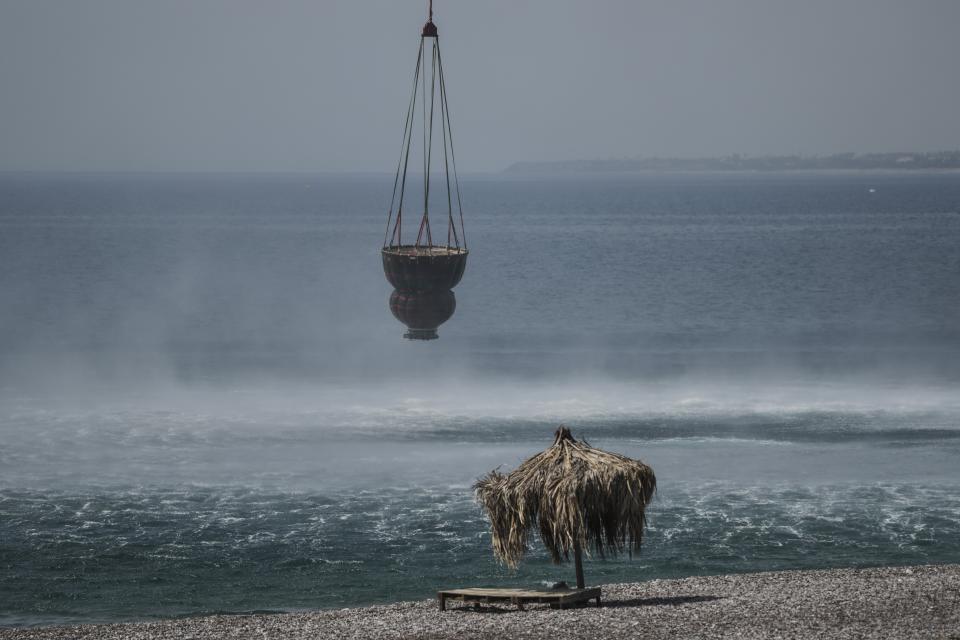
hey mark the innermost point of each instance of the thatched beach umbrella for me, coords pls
(576, 496)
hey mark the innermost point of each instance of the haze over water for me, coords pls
(207, 406)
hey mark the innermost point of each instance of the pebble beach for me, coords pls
(896, 602)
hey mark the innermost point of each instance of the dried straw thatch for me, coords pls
(575, 495)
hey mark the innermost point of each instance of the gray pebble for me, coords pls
(893, 602)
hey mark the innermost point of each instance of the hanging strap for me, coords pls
(401, 176)
(453, 157)
(428, 152)
(393, 235)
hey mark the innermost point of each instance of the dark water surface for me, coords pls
(205, 404)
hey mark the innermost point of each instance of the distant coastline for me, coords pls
(905, 161)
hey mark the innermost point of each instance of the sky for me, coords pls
(322, 85)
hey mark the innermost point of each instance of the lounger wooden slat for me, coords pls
(557, 598)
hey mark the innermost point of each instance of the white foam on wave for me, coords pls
(416, 405)
(452, 431)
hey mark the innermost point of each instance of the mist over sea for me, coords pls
(206, 405)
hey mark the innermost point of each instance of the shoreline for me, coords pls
(903, 602)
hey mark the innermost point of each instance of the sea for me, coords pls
(206, 405)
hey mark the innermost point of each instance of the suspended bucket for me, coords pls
(421, 264)
(412, 268)
(423, 311)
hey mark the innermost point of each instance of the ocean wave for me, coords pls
(392, 543)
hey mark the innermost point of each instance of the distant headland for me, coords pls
(905, 161)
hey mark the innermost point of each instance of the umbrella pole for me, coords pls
(578, 560)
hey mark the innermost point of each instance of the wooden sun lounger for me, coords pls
(556, 598)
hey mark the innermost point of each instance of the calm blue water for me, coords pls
(205, 404)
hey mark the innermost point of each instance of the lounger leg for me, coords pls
(443, 601)
(598, 602)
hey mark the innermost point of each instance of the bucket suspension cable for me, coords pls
(404, 158)
(429, 99)
(428, 150)
(445, 115)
